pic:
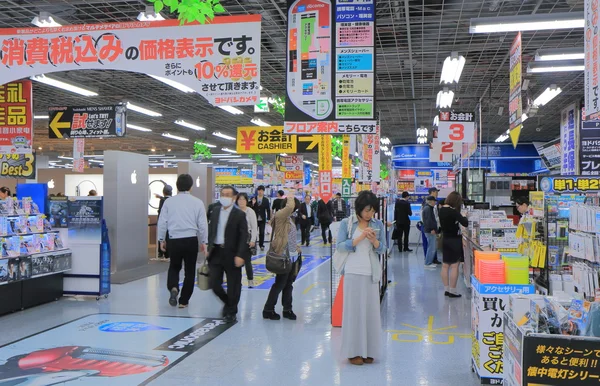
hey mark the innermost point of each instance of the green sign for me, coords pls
(262, 106)
(346, 187)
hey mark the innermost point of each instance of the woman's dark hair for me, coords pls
(366, 198)
(454, 200)
(184, 182)
(405, 194)
(521, 201)
(5, 190)
(240, 195)
(283, 204)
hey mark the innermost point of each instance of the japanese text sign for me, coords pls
(16, 117)
(325, 153)
(346, 160)
(78, 159)
(456, 127)
(589, 152)
(569, 123)
(443, 151)
(515, 104)
(294, 163)
(87, 122)
(570, 184)
(331, 127)
(272, 140)
(17, 166)
(220, 60)
(592, 64)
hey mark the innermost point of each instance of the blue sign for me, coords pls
(130, 327)
(408, 153)
(260, 172)
(226, 171)
(350, 13)
(502, 289)
(355, 61)
(307, 175)
(247, 173)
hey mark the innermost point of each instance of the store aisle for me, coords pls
(426, 335)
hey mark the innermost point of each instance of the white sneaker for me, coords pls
(430, 266)
(250, 283)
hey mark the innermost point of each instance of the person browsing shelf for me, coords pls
(452, 248)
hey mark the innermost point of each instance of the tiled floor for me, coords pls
(305, 352)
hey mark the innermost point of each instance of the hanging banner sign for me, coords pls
(330, 65)
(515, 103)
(376, 157)
(592, 62)
(589, 152)
(17, 166)
(346, 160)
(550, 153)
(87, 122)
(367, 162)
(325, 153)
(570, 184)
(569, 122)
(443, 151)
(78, 159)
(16, 117)
(456, 127)
(220, 60)
(329, 127)
(294, 163)
(272, 140)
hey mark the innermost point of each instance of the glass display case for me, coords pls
(471, 184)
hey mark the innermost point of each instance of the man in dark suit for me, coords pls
(227, 244)
(305, 220)
(402, 213)
(262, 208)
(325, 215)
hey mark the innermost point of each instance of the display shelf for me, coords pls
(36, 254)
(28, 234)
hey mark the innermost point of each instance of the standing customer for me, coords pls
(402, 213)
(262, 208)
(339, 207)
(4, 192)
(430, 227)
(284, 236)
(305, 216)
(435, 192)
(325, 215)
(227, 248)
(167, 193)
(361, 329)
(184, 217)
(279, 202)
(242, 203)
(452, 248)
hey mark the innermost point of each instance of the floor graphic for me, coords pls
(414, 334)
(105, 349)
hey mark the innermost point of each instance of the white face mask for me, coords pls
(226, 201)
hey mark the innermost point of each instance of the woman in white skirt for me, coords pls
(360, 240)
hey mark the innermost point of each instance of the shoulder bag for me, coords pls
(279, 263)
(203, 276)
(339, 258)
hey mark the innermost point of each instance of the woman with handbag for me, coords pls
(452, 248)
(285, 240)
(242, 203)
(360, 240)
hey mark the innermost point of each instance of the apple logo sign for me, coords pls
(134, 177)
(51, 184)
(198, 182)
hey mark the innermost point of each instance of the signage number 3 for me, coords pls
(457, 132)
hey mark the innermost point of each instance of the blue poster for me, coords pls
(307, 175)
(85, 220)
(354, 12)
(260, 172)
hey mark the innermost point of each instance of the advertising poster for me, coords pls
(367, 161)
(106, 349)
(58, 212)
(592, 64)
(330, 66)
(569, 122)
(85, 220)
(423, 181)
(515, 104)
(376, 157)
(513, 353)
(456, 127)
(346, 159)
(87, 122)
(570, 184)
(550, 153)
(292, 166)
(18, 166)
(78, 159)
(325, 166)
(16, 115)
(589, 151)
(231, 176)
(219, 60)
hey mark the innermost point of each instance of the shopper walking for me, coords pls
(167, 193)
(452, 249)
(305, 216)
(279, 201)
(339, 207)
(325, 215)
(184, 217)
(314, 205)
(262, 208)
(242, 203)
(284, 236)
(402, 213)
(430, 227)
(227, 247)
(361, 329)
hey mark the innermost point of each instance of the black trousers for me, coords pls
(248, 265)
(283, 284)
(219, 264)
(305, 232)
(261, 233)
(403, 231)
(325, 227)
(182, 251)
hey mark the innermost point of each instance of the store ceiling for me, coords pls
(406, 90)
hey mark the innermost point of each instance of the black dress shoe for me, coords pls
(230, 319)
(272, 315)
(451, 295)
(437, 262)
(408, 250)
(289, 315)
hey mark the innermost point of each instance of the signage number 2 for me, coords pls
(446, 148)
(457, 132)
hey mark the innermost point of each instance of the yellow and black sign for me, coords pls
(87, 122)
(17, 166)
(272, 140)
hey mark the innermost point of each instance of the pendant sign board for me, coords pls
(456, 127)
(443, 151)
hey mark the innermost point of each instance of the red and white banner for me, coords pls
(219, 60)
(16, 117)
(456, 127)
(78, 159)
(376, 157)
(443, 151)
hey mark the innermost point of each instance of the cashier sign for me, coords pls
(456, 127)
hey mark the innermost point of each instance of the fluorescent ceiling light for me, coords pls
(41, 116)
(183, 123)
(225, 156)
(232, 110)
(63, 85)
(385, 141)
(224, 136)
(384, 148)
(559, 54)
(142, 110)
(136, 127)
(96, 161)
(259, 122)
(502, 138)
(453, 67)
(174, 84)
(229, 150)
(388, 153)
(445, 99)
(209, 145)
(45, 20)
(421, 140)
(150, 15)
(524, 117)
(555, 66)
(537, 22)
(176, 137)
(422, 132)
(63, 157)
(548, 94)
(436, 120)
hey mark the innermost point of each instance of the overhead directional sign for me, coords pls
(87, 122)
(262, 106)
(272, 140)
(346, 187)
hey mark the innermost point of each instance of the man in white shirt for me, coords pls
(184, 217)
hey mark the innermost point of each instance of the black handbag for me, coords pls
(279, 263)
